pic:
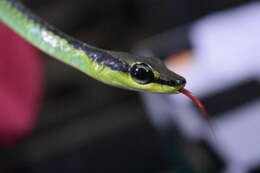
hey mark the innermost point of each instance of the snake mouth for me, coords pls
(179, 85)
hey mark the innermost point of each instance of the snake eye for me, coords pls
(141, 73)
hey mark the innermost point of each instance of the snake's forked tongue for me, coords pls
(196, 101)
(201, 108)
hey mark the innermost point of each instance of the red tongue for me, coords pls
(196, 101)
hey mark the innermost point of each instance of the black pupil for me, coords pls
(142, 73)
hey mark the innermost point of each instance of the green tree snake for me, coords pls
(118, 69)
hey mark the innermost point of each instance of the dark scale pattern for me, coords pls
(21, 8)
(96, 55)
(100, 57)
(169, 83)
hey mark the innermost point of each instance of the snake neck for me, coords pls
(53, 41)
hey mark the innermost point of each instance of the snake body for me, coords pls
(119, 69)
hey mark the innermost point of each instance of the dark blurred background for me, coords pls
(86, 126)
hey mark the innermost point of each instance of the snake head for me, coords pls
(149, 74)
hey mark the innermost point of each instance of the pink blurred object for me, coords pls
(20, 86)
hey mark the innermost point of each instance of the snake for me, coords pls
(119, 69)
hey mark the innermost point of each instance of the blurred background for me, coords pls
(55, 119)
